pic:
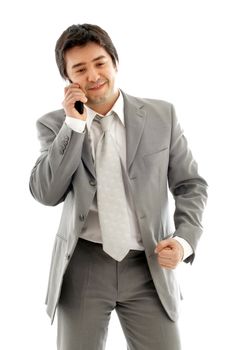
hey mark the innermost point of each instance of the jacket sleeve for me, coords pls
(189, 189)
(61, 149)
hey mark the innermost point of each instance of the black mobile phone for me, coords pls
(79, 107)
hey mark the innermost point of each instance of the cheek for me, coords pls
(110, 76)
(76, 79)
(80, 81)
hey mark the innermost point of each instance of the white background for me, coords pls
(179, 51)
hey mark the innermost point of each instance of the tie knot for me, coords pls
(105, 122)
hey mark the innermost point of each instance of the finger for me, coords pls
(70, 86)
(164, 257)
(72, 91)
(73, 88)
(77, 93)
(72, 98)
(173, 254)
(167, 263)
(171, 261)
(162, 245)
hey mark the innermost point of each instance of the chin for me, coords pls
(97, 100)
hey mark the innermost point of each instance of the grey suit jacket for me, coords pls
(158, 158)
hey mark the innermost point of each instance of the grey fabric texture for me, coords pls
(94, 286)
(158, 159)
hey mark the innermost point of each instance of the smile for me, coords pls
(97, 87)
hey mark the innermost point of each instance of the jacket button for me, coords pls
(68, 256)
(92, 182)
(81, 217)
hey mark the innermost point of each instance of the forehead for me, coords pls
(84, 54)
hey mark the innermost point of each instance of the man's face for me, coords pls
(92, 68)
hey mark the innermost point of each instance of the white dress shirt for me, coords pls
(119, 135)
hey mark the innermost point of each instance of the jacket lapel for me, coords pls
(135, 117)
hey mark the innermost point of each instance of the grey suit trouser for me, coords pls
(94, 284)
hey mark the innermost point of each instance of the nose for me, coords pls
(92, 75)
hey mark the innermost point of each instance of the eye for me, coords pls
(100, 64)
(81, 70)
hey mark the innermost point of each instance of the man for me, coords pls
(111, 165)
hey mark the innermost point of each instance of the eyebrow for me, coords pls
(83, 63)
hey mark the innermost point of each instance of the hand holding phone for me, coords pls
(74, 99)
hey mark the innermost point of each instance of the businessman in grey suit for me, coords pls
(115, 247)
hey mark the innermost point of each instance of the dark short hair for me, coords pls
(80, 35)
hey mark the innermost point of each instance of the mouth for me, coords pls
(97, 87)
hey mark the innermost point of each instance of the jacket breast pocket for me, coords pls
(155, 170)
(156, 158)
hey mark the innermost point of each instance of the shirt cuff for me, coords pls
(188, 250)
(77, 125)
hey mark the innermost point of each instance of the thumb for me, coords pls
(162, 245)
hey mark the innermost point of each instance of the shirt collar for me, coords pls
(118, 108)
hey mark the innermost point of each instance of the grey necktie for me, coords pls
(111, 198)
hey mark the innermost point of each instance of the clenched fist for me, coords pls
(169, 253)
